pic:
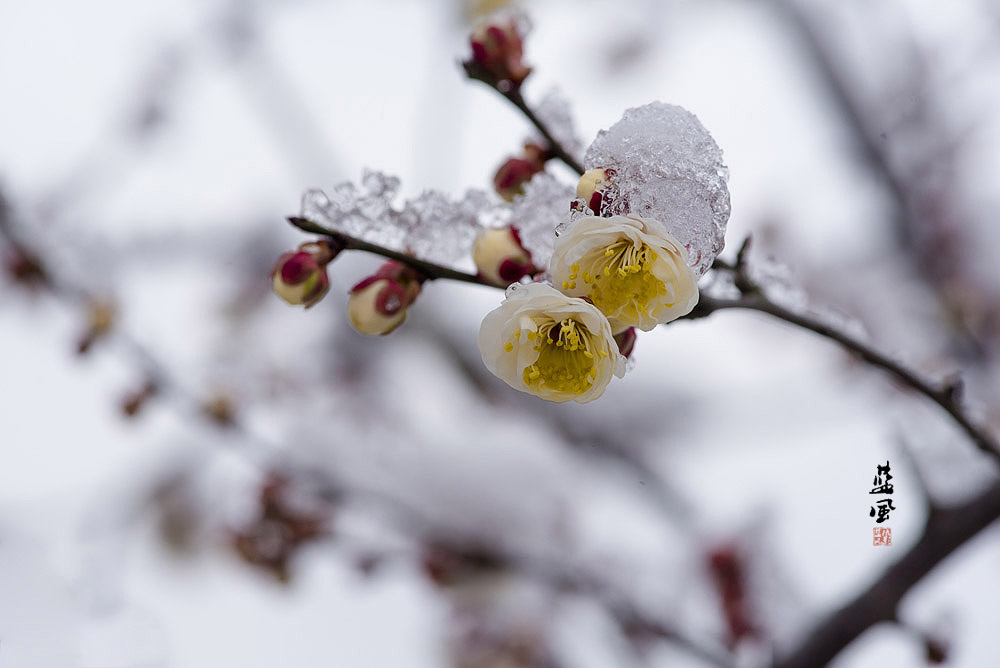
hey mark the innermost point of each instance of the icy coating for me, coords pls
(433, 226)
(669, 168)
(536, 213)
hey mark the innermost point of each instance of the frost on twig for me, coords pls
(433, 226)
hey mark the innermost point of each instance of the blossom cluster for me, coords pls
(610, 275)
(648, 218)
(645, 223)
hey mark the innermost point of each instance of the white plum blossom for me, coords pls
(545, 343)
(630, 268)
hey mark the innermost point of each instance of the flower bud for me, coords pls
(300, 276)
(500, 257)
(377, 304)
(497, 49)
(515, 172)
(626, 341)
(599, 193)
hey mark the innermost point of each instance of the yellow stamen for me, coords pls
(621, 281)
(565, 361)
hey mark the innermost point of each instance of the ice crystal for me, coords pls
(537, 213)
(669, 168)
(432, 226)
(436, 227)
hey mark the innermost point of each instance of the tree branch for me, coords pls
(428, 269)
(557, 149)
(513, 95)
(944, 396)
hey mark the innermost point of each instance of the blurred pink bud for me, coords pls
(300, 276)
(497, 49)
(378, 304)
(728, 567)
(500, 257)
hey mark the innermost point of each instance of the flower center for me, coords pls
(566, 355)
(621, 279)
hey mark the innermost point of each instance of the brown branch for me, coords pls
(557, 149)
(946, 530)
(944, 395)
(428, 269)
(513, 95)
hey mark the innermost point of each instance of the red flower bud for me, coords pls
(516, 171)
(300, 276)
(497, 49)
(378, 304)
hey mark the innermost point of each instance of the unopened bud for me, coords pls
(497, 49)
(500, 257)
(378, 304)
(300, 276)
(515, 172)
(626, 341)
(599, 193)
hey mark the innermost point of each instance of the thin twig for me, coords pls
(513, 95)
(428, 269)
(557, 149)
(942, 396)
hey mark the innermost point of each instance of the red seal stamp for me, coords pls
(881, 536)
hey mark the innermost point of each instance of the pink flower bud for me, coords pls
(497, 49)
(515, 172)
(300, 276)
(500, 257)
(378, 304)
